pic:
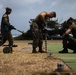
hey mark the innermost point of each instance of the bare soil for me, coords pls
(23, 62)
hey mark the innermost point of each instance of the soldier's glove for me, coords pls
(12, 27)
(44, 30)
(64, 35)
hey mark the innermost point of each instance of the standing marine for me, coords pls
(6, 28)
(37, 26)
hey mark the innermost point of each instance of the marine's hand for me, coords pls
(12, 27)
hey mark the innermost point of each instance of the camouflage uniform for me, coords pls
(71, 44)
(6, 34)
(37, 26)
(69, 41)
(35, 34)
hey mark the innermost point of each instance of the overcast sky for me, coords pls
(24, 10)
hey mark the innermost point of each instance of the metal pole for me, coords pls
(46, 48)
(20, 31)
(46, 39)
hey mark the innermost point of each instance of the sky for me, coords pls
(24, 10)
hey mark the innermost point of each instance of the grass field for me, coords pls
(69, 58)
(23, 62)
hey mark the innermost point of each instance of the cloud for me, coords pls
(24, 10)
(21, 3)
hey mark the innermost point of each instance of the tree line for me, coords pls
(53, 28)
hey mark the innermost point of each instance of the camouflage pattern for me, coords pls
(6, 35)
(70, 39)
(37, 26)
(41, 22)
(37, 36)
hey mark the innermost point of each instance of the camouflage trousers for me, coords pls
(38, 40)
(37, 36)
(69, 42)
(7, 36)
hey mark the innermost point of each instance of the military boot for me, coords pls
(41, 51)
(64, 51)
(34, 50)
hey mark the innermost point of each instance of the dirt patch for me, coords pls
(23, 62)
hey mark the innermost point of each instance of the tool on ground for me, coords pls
(31, 43)
(12, 46)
